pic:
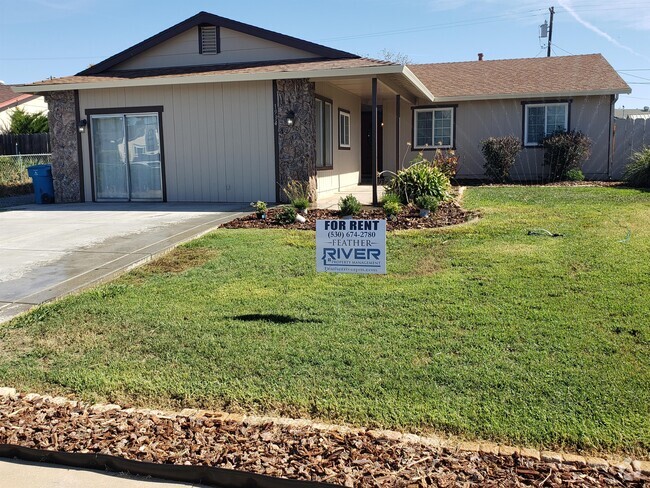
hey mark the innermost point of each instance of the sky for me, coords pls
(43, 38)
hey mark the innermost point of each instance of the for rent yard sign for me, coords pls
(351, 246)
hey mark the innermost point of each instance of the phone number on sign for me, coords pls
(351, 234)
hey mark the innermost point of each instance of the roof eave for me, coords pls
(510, 96)
(217, 78)
(417, 84)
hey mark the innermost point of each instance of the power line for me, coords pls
(635, 76)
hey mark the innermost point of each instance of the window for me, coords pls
(344, 129)
(434, 127)
(544, 119)
(209, 39)
(323, 114)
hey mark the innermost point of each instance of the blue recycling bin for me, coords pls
(41, 175)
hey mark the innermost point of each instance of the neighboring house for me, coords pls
(632, 113)
(10, 101)
(215, 110)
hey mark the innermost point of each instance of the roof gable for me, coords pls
(520, 78)
(205, 18)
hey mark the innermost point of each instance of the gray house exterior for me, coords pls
(214, 110)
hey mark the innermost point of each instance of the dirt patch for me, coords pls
(180, 259)
(295, 450)
(449, 213)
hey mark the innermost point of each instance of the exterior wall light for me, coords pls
(82, 125)
(291, 118)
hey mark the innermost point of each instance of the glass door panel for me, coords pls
(109, 158)
(143, 137)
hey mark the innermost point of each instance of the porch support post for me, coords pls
(374, 124)
(398, 114)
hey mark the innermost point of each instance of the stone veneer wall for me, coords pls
(296, 144)
(63, 140)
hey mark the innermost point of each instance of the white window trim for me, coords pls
(344, 113)
(417, 111)
(545, 105)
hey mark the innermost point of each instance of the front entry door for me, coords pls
(126, 157)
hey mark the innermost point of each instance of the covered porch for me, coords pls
(373, 115)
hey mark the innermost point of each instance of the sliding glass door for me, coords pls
(126, 157)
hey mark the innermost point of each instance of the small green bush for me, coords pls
(390, 197)
(259, 206)
(419, 179)
(575, 174)
(349, 205)
(564, 151)
(427, 202)
(392, 208)
(287, 215)
(500, 154)
(300, 203)
(637, 172)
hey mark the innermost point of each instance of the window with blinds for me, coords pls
(208, 39)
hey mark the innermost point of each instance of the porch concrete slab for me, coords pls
(23, 474)
(362, 192)
(50, 251)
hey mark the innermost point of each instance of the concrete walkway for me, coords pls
(362, 192)
(22, 474)
(49, 251)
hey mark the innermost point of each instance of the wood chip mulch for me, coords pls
(302, 451)
(448, 213)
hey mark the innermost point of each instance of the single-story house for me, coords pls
(216, 110)
(10, 101)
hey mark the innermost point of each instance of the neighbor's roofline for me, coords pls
(211, 19)
(366, 71)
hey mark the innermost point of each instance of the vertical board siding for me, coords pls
(218, 138)
(478, 120)
(632, 135)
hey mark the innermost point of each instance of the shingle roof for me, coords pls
(587, 73)
(9, 98)
(222, 69)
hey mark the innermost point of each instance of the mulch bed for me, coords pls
(301, 452)
(449, 213)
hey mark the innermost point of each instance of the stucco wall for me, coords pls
(478, 120)
(346, 162)
(218, 138)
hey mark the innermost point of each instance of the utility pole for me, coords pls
(550, 32)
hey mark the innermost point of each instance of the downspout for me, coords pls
(612, 137)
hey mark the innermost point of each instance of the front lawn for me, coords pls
(480, 330)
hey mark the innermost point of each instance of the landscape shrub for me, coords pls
(287, 215)
(446, 161)
(14, 179)
(564, 151)
(637, 172)
(427, 202)
(575, 175)
(349, 205)
(390, 197)
(500, 154)
(392, 208)
(419, 179)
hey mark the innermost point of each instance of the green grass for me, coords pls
(479, 330)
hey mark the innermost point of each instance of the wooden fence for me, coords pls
(630, 135)
(12, 144)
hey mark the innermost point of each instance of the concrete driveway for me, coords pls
(48, 251)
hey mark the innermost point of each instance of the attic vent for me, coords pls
(208, 39)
